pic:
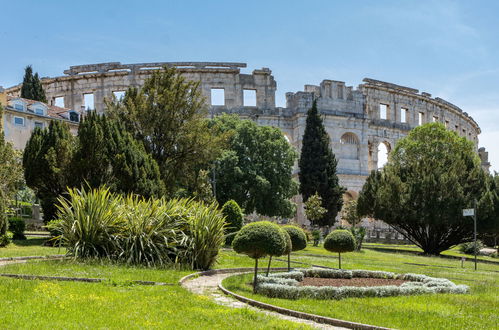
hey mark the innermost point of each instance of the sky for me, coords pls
(447, 48)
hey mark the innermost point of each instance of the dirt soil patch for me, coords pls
(315, 281)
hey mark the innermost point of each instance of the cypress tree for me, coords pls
(46, 161)
(108, 155)
(27, 91)
(318, 168)
(31, 88)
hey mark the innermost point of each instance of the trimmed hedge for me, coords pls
(284, 286)
(340, 240)
(259, 239)
(298, 237)
(234, 218)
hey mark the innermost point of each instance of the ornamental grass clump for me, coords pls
(259, 239)
(340, 241)
(134, 230)
(298, 240)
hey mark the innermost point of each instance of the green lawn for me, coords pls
(33, 246)
(477, 310)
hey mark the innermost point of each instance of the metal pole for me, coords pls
(474, 233)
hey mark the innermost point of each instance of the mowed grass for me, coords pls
(33, 246)
(477, 310)
(72, 305)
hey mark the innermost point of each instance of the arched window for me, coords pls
(349, 138)
(384, 149)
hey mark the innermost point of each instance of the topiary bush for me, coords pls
(260, 239)
(298, 240)
(234, 218)
(17, 226)
(340, 241)
(289, 246)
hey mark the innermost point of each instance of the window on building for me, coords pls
(340, 92)
(40, 111)
(217, 96)
(249, 98)
(435, 119)
(19, 106)
(19, 121)
(88, 101)
(74, 116)
(404, 113)
(464, 132)
(38, 124)
(446, 124)
(457, 128)
(59, 101)
(349, 138)
(119, 95)
(421, 118)
(383, 111)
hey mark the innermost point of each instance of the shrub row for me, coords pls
(285, 285)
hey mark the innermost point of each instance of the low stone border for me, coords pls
(55, 256)
(277, 309)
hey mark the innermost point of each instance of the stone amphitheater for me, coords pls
(362, 122)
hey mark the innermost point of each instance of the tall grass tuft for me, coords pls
(152, 232)
(89, 222)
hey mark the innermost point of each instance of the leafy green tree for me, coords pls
(10, 178)
(339, 241)
(313, 208)
(256, 170)
(350, 214)
(432, 174)
(298, 240)
(46, 161)
(108, 155)
(234, 217)
(168, 114)
(318, 169)
(31, 88)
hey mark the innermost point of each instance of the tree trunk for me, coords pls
(254, 278)
(268, 267)
(339, 259)
(289, 261)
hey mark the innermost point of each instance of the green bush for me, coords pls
(234, 218)
(359, 233)
(5, 239)
(469, 247)
(298, 240)
(134, 230)
(17, 226)
(259, 239)
(339, 241)
(316, 234)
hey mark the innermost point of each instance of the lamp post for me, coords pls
(472, 213)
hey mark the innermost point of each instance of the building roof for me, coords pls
(53, 111)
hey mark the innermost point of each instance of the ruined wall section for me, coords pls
(103, 80)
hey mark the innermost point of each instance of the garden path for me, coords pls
(207, 285)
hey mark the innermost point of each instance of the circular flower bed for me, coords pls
(289, 285)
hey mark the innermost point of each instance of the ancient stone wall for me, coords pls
(358, 120)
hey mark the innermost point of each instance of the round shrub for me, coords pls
(339, 241)
(17, 226)
(469, 247)
(298, 237)
(234, 218)
(259, 239)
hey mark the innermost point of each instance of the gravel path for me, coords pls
(208, 286)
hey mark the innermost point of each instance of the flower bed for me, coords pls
(287, 285)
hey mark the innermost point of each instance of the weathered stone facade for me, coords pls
(357, 120)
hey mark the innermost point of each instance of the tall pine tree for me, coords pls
(108, 155)
(46, 161)
(318, 168)
(31, 88)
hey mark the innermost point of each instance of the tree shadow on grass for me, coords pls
(36, 241)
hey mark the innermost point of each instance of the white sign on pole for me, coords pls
(468, 212)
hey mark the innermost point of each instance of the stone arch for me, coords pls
(349, 146)
(378, 153)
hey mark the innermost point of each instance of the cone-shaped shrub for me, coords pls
(339, 241)
(298, 240)
(234, 218)
(260, 239)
